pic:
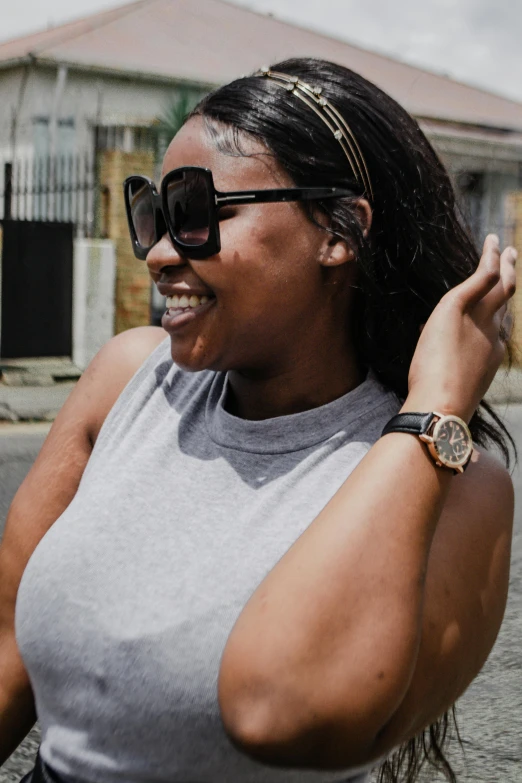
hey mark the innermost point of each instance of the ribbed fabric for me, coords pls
(126, 604)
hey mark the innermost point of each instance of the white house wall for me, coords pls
(94, 279)
(88, 98)
(11, 83)
(27, 93)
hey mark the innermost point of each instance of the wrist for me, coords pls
(425, 403)
(447, 436)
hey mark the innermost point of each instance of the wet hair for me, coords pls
(417, 249)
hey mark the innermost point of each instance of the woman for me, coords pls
(239, 578)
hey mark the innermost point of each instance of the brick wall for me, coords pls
(514, 237)
(132, 306)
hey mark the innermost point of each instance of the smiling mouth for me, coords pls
(183, 303)
(183, 310)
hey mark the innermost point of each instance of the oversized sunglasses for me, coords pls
(188, 208)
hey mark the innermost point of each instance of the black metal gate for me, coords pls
(58, 189)
(37, 271)
(44, 203)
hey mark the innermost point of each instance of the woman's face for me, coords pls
(270, 284)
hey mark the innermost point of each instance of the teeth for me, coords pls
(183, 302)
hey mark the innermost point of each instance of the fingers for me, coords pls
(494, 280)
(504, 290)
(485, 277)
(506, 326)
(508, 271)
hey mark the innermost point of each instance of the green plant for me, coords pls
(174, 115)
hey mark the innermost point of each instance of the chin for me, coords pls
(193, 360)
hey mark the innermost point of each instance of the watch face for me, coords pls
(452, 441)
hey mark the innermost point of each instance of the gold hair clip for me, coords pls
(334, 120)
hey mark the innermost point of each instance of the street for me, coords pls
(489, 714)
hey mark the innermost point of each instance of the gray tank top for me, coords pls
(125, 606)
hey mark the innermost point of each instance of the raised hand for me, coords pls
(463, 342)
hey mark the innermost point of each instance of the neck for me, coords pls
(300, 386)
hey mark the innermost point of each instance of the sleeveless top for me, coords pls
(126, 604)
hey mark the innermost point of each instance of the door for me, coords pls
(37, 272)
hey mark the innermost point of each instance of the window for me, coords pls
(65, 138)
(41, 136)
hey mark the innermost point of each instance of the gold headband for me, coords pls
(331, 117)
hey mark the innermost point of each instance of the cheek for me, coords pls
(272, 246)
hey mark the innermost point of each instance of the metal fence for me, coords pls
(61, 188)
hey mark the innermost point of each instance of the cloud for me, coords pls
(477, 41)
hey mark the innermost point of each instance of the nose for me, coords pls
(162, 255)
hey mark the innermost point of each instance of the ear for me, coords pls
(364, 215)
(336, 251)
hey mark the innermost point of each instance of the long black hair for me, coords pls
(417, 249)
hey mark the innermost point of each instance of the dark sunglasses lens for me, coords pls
(142, 212)
(188, 202)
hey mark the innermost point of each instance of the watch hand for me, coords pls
(455, 438)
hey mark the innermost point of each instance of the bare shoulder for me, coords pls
(474, 537)
(477, 522)
(487, 477)
(480, 502)
(112, 368)
(466, 593)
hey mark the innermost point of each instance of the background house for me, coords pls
(80, 105)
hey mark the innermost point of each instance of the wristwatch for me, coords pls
(448, 438)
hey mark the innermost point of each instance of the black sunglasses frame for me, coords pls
(163, 223)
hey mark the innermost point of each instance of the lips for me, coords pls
(178, 317)
(186, 302)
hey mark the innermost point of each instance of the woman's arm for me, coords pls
(383, 611)
(44, 495)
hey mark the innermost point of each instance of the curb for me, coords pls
(33, 403)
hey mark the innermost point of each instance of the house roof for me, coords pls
(214, 41)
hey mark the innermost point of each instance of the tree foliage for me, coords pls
(174, 115)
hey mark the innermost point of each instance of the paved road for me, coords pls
(490, 713)
(19, 446)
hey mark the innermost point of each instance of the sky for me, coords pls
(475, 41)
